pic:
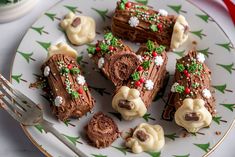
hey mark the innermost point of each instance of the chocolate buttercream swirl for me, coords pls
(102, 130)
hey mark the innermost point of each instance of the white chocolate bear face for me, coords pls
(129, 103)
(146, 137)
(62, 48)
(180, 32)
(193, 115)
(79, 29)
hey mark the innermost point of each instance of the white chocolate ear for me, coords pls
(189, 103)
(133, 94)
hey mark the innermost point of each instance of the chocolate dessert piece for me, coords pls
(102, 131)
(68, 87)
(135, 95)
(138, 23)
(116, 60)
(191, 94)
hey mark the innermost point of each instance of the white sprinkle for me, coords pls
(162, 12)
(46, 71)
(133, 21)
(81, 80)
(174, 86)
(90, 55)
(149, 84)
(201, 57)
(58, 101)
(101, 62)
(159, 60)
(140, 58)
(206, 93)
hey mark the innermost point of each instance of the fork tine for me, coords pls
(17, 93)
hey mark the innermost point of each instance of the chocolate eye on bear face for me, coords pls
(76, 22)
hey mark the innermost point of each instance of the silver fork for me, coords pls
(25, 111)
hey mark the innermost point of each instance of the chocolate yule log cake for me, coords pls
(134, 96)
(190, 94)
(101, 130)
(115, 59)
(138, 23)
(68, 87)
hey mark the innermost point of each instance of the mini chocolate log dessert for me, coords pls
(134, 96)
(102, 131)
(68, 87)
(138, 23)
(190, 94)
(116, 60)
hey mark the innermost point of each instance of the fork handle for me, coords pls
(48, 127)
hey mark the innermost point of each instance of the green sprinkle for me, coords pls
(75, 71)
(85, 88)
(135, 76)
(103, 47)
(91, 50)
(200, 67)
(114, 41)
(150, 45)
(160, 49)
(64, 70)
(180, 67)
(108, 36)
(179, 89)
(192, 68)
(124, 1)
(146, 64)
(154, 28)
(122, 6)
(74, 94)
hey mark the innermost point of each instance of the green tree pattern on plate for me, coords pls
(145, 2)
(229, 106)
(154, 154)
(102, 13)
(18, 78)
(218, 119)
(179, 53)
(45, 45)
(228, 67)
(96, 155)
(72, 8)
(204, 17)
(121, 149)
(27, 56)
(198, 33)
(101, 91)
(204, 147)
(222, 88)
(73, 140)
(177, 8)
(39, 128)
(68, 123)
(52, 16)
(172, 136)
(39, 30)
(147, 117)
(182, 155)
(228, 46)
(205, 52)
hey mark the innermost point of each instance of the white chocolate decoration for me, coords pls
(149, 84)
(135, 107)
(101, 63)
(180, 32)
(201, 57)
(158, 60)
(79, 29)
(152, 138)
(46, 71)
(81, 80)
(140, 58)
(162, 12)
(133, 21)
(206, 93)
(193, 115)
(58, 101)
(62, 48)
(173, 87)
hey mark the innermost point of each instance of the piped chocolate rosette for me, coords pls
(68, 88)
(101, 130)
(138, 23)
(115, 59)
(134, 96)
(191, 94)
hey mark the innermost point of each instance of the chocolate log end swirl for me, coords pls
(102, 131)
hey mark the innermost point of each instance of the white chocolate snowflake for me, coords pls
(158, 60)
(81, 80)
(162, 12)
(46, 71)
(58, 101)
(201, 57)
(149, 84)
(206, 93)
(101, 62)
(174, 86)
(133, 21)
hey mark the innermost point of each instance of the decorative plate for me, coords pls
(205, 35)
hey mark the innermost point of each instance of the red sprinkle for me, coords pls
(159, 26)
(97, 45)
(187, 90)
(98, 49)
(70, 66)
(140, 68)
(128, 5)
(187, 75)
(141, 80)
(80, 91)
(137, 83)
(185, 72)
(154, 54)
(111, 48)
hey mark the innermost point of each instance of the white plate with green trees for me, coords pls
(205, 35)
